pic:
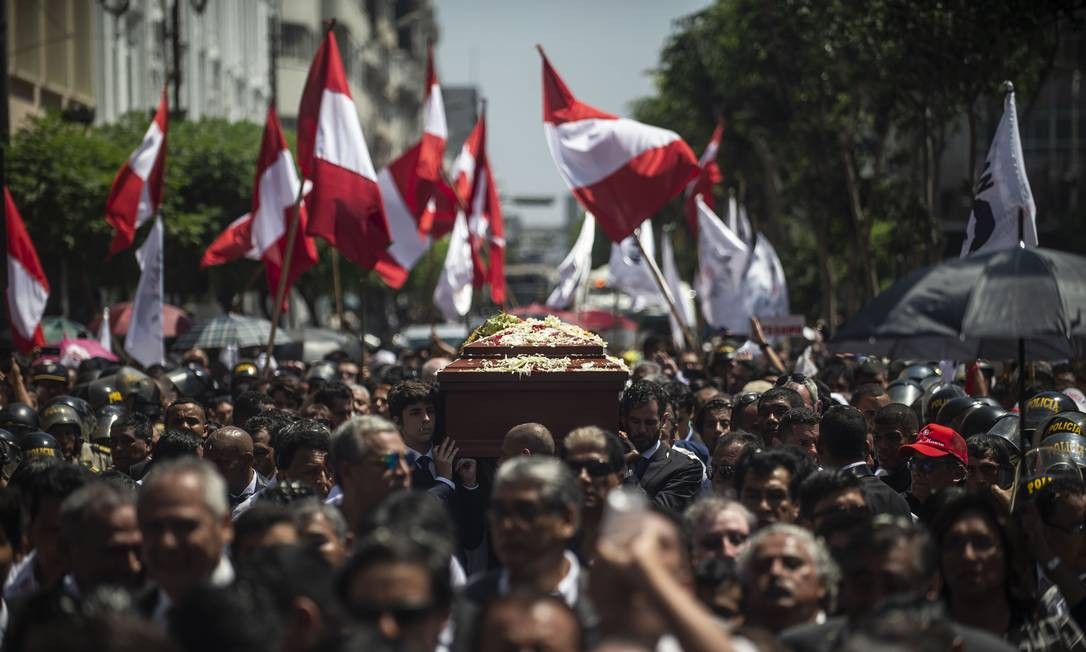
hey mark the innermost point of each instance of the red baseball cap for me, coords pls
(935, 440)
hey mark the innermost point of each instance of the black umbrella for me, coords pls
(1018, 303)
(983, 306)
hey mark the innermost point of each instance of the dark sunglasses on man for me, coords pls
(595, 468)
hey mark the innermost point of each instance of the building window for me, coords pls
(296, 41)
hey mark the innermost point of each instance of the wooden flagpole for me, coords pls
(284, 272)
(659, 277)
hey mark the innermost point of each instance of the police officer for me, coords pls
(70, 430)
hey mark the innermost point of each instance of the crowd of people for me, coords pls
(866, 504)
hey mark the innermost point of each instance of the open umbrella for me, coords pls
(1023, 303)
(56, 329)
(224, 330)
(174, 320)
(985, 306)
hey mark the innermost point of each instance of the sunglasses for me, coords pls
(717, 542)
(794, 378)
(746, 399)
(595, 468)
(722, 472)
(403, 614)
(388, 461)
(927, 466)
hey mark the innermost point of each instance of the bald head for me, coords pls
(230, 449)
(527, 439)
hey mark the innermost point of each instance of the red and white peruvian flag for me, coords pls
(234, 242)
(262, 233)
(344, 205)
(411, 187)
(137, 189)
(275, 192)
(473, 183)
(620, 170)
(709, 174)
(28, 289)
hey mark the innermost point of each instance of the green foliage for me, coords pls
(60, 175)
(831, 107)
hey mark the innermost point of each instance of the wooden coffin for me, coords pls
(492, 387)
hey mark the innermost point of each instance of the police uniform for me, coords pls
(95, 457)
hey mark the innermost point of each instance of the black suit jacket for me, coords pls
(670, 479)
(466, 506)
(880, 497)
(833, 633)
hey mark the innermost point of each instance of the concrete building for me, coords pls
(49, 58)
(383, 45)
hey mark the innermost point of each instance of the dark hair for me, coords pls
(304, 433)
(790, 396)
(843, 434)
(867, 390)
(287, 385)
(11, 518)
(959, 503)
(897, 415)
(416, 515)
(261, 517)
(744, 438)
(408, 393)
(286, 492)
(993, 446)
(870, 367)
(803, 416)
(284, 573)
(384, 547)
(712, 405)
(821, 484)
(884, 532)
(267, 421)
(175, 443)
(137, 423)
(642, 393)
(681, 395)
(763, 462)
(332, 391)
(523, 601)
(184, 400)
(250, 403)
(56, 482)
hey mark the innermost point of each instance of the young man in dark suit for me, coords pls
(670, 479)
(842, 445)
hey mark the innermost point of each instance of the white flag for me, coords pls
(1002, 193)
(452, 295)
(574, 270)
(742, 227)
(144, 339)
(631, 273)
(104, 339)
(722, 261)
(764, 283)
(683, 303)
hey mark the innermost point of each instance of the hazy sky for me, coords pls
(603, 49)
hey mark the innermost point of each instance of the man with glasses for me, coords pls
(805, 387)
(596, 459)
(717, 528)
(745, 412)
(534, 513)
(369, 458)
(937, 460)
(842, 445)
